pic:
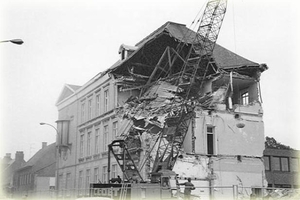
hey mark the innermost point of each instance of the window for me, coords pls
(68, 183)
(97, 140)
(106, 100)
(281, 164)
(114, 171)
(294, 164)
(284, 164)
(104, 174)
(210, 140)
(267, 163)
(276, 163)
(88, 143)
(245, 98)
(82, 112)
(87, 179)
(115, 130)
(105, 137)
(90, 108)
(81, 152)
(80, 176)
(96, 175)
(60, 183)
(98, 104)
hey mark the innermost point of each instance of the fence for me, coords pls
(200, 193)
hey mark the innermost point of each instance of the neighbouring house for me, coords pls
(8, 168)
(225, 140)
(282, 165)
(36, 179)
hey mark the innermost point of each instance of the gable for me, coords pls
(67, 91)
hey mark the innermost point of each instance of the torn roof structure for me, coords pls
(149, 50)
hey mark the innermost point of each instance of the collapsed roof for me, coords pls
(140, 64)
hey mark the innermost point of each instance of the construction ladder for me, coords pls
(123, 192)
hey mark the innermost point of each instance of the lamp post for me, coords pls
(57, 161)
(14, 41)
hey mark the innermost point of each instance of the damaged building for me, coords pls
(204, 123)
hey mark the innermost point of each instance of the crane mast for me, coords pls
(194, 63)
(197, 61)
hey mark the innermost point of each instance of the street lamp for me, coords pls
(57, 164)
(14, 41)
(43, 123)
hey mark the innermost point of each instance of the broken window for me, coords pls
(210, 140)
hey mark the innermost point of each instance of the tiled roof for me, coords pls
(223, 57)
(40, 154)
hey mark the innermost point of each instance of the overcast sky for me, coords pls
(72, 41)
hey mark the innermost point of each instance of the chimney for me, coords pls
(44, 144)
(19, 156)
(7, 157)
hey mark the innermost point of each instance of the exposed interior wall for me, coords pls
(228, 138)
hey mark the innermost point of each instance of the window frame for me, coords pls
(96, 174)
(104, 174)
(291, 164)
(82, 113)
(268, 161)
(114, 129)
(88, 143)
(81, 145)
(98, 104)
(106, 100)
(90, 108)
(97, 140)
(105, 137)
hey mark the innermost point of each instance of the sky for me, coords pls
(70, 41)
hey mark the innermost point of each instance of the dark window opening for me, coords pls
(210, 140)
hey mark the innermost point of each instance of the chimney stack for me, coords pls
(7, 157)
(19, 156)
(44, 144)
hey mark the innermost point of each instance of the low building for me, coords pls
(37, 177)
(9, 166)
(282, 167)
